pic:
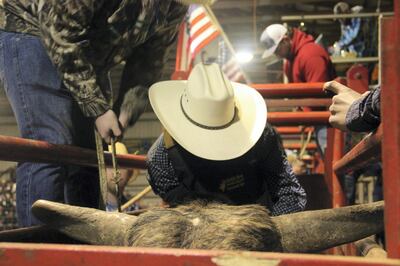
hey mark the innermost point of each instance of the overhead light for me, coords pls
(244, 57)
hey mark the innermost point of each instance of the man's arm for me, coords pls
(64, 27)
(161, 174)
(364, 114)
(353, 111)
(286, 193)
(348, 34)
(144, 67)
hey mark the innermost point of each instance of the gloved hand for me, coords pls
(107, 125)
(341, 103)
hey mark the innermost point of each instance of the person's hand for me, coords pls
(341, 103)
(107, 125)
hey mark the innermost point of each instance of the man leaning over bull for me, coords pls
(55, 58)
(217, 145)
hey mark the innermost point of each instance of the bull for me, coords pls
(201, 225)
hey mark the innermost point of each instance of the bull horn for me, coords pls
(318, 230)
(85, 224)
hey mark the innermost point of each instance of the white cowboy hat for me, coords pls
(271, 37)
(208, 115)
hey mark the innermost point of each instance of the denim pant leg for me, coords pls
(321, 139)
(44, 111)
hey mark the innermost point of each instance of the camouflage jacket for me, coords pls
(86, 38)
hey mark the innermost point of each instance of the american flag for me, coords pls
(202, 31)
(196, 32)
(232, 70)
(229, 64)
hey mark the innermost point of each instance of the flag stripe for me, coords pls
(196, 19)
(201, 23)
(202, 30)
(237, 77)
(203, 37)
(232, 70)
(195, 13)
(206, 41)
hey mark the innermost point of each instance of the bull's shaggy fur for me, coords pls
(202, 225)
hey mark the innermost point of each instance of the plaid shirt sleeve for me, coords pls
(286, 193)
(161, 173)
(365, 113)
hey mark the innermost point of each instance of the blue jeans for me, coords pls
(321, 139)
(44, 110)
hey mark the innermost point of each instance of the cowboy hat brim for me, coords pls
(214, 144)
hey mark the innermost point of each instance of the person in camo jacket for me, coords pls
(54, 64)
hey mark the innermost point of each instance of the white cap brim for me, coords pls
(268, 52)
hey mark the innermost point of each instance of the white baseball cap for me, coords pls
(271, 37)
(208, 115)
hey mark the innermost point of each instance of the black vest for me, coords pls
(237, 181)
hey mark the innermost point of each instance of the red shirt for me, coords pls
(310, 62)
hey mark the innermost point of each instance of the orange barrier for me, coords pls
(27, 150)
(363, 154)
(288, 90)
(298, 118)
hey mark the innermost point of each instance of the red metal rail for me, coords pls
(23, 150)
(298, 146)
(309, 102)
(78, 255)
(333, 152)
(390, 104)
(288, 90)
(339, 198)
(298, 118)
(364, 153)
(292, 130)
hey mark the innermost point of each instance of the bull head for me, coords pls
(215, 226)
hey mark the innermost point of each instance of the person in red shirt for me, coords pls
(306, 61)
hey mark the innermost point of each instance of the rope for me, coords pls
(102, 171)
